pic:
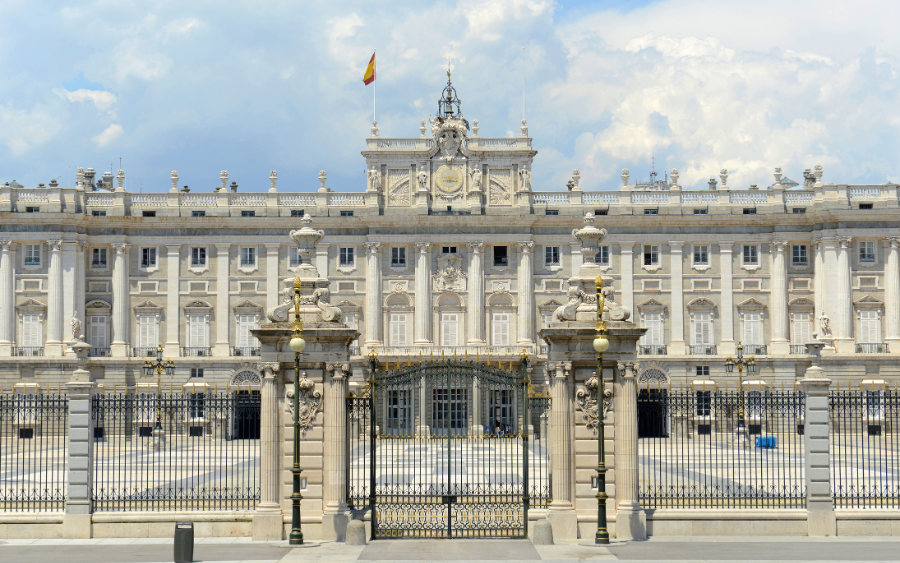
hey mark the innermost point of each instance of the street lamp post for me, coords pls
(159, 366)
(601, 344)
(740, 363)
(297, 345)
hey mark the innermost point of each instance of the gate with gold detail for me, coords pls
(448, 449)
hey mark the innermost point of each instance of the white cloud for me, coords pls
(108, 135)
(486, 19)
(102, 100)
(26, 130)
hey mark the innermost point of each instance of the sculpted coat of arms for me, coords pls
(449, 275)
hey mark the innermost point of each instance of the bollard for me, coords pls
(184, 542)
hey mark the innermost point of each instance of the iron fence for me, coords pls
(865, 448)
(693, 453)
(200, 453)
(33, 451)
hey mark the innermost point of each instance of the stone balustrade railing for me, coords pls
(324, 203)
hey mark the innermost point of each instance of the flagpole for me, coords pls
(375, 89)
(523, 83)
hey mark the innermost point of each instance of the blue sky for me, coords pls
(254, 86)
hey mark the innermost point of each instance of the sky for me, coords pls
(254, 86)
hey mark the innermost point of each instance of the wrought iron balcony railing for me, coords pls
(482, 352)
(799, 349)
(703, 350)
(98, 352)
(245, 351)
(755, 349)
(196, 351)
(652, 349)
(871, 348)
(144, 351)
(28, 351)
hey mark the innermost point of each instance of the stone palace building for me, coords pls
(450, 249)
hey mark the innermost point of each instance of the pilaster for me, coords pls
(54, 345)
(373, 294)
(336, 515)
(726, 263)
(223, 261)
(272, 275)
(119, 346)
(780, 344)
(7, 297)
(173, 316)
(892, 294)
(626, 249)
(631, 521)
(562, 509)
(844, 321)
(676, 344)
(268, 516)
(525, 320)
(69, 285)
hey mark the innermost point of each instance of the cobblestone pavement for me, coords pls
(242, 550)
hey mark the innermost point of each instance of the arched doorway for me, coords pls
(653, 405)
(245, 418)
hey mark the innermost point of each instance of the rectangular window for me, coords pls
(196, 372)
(294, 257)
(651, 255)
(398, 257)
(32, 210)
(99, 258)
(704, 403)
(752, 328)
(32, 255)
(866, 206)
(148, 331)
(749, 211)
(798, 210)
(651, 212)
(799, 255)
(31, 331)
(347, 256)
(703, 371)
(701, 254)
(702, 329)
(296, 213)
(352, 321)
(501, 256)
(248, 213)
(449, 329)
(869, 327)
(198, 256)
(399, 410)
(751, 254)
(98, 213)
(800, 328)
(245, 338)
(198, 213)
(654, 324)
(397, 330)
(248, 256)
(198, 331)
(448, 250)
(97, 331)
(346, 214)
(551, 256)
(148, 214)
(866, 251)
(602, 256)
(701, 212)
(500, 329)
(551, 212)
(148, 257)
(601, 211)
(195, 409)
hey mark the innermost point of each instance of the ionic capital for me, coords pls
(6, 245)
(423, 247)
(268, 369)
(372, 247)
(845, 241)
(780, 245)
(893, 242)
(629, 370)
(476, 247)
(526, 246)
(54, 244)
(119, 247)
(676, 246)
(338, 371)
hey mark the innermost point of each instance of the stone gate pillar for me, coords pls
(267, 519)
(820, 515)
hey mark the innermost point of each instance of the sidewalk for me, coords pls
(234, 550)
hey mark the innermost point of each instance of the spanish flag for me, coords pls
(369, 76)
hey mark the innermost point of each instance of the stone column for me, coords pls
(7, 297)
(79, 473)
(475, 313)
(627, 251)
(69, 286)
(223, 263)
(121, 305)
(272, 287)
(79, 303)
(891, 294)
(374, 322)
(819, 502)
(423, 321)
(631, 521)
(726, 265)
(268, 518)
(818, 285)
(54, 345)
(676, 344)
(844, 320)
(173, 296)
(337, 515)
(562, 510)
(778, 307)
(525, 320)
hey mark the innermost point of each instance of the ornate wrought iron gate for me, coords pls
(441, 449)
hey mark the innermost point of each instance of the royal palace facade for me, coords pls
(451, 250)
